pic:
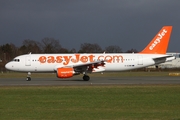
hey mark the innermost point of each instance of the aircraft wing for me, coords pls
(85, 66)
(89, 64)
(96, 66)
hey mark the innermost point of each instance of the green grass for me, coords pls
(129, 102)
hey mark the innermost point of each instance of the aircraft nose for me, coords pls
(8, 66)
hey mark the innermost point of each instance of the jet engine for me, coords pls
(65, 72)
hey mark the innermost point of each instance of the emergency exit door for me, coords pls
(140, 60)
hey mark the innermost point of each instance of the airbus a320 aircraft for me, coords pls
(68, 65)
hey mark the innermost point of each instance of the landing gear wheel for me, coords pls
(86, 78)
(28, 76)
(28, 79)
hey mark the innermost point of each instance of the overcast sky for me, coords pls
(126, 23)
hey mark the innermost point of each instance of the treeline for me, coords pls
(51, 45)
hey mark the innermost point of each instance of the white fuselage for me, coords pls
(50, 62)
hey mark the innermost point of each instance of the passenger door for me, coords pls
(28, 60)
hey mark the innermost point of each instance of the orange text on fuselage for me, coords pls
(66, 59)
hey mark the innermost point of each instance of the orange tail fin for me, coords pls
(159, 43)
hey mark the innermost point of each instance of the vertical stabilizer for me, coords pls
(159, 43)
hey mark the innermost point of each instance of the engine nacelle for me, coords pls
(65, 72)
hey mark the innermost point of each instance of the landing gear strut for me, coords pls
(86, 78)
(28, 77)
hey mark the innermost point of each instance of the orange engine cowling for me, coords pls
(65, 72)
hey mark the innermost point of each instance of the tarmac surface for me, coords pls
(93, 81)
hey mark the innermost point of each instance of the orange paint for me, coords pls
(65, 72)
(51, 59)
(59, 59)
(76, 59)
(42, 59)
(118, 58)
(159, 43)
(91, 57)
(111, 59)
(84, 59)
(67, 59)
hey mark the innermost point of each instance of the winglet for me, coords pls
(159, 43)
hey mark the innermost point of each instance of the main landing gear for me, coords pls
(86, 78)
(28, 77)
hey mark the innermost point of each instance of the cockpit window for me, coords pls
(16, 60)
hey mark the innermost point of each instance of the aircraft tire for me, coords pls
(28, 79)
(86, 78)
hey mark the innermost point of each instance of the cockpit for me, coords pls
(16, 60)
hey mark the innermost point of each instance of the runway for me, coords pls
(77, 81)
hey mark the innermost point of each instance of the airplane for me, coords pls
(68, 65)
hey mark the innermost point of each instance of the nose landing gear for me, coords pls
(28, 76)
